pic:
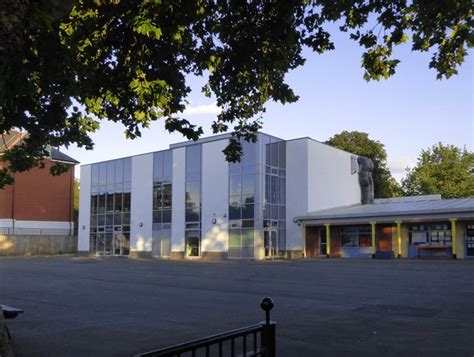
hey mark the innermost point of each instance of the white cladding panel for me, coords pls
(178, 200)
(142, 203)
(331, 183)
(84, 209)
(215, 197)
(296, 190)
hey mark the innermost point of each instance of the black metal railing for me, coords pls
(254, 340)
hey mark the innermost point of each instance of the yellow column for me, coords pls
(399, 238)
(453, 236)
(373, 238)
(328, 239)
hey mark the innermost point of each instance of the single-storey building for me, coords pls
(405, 227)
(280, 201)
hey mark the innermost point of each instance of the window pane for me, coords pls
(234, 212)
(247, 237)
(126, 202)
(125, 219)
(101, 205)
(118, 171)
(282, 191)
(281, 212)
(248, 198)
(117, 219)
(118, 202)
(166, 196)
(157, 197)
(157, 216)
(247, 211)
(249, 153)
(158, 166)
(273, 189)
(102, 174)
(248, 184)
(193, 194)
(110, 202)
(192, 214)
(93, 204)
(110, 173)
(167, 216)
(282, 154)
(127, 170)
(193, 159)
(95, 175)
(273, 147)
(235, 186)
(249, 223)
(101, 220)
(234, 237)
(168, 165)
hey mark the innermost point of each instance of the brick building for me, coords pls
(37, 202)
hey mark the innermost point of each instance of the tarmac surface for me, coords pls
(323, 307)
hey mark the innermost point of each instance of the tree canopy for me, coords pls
(359, 143)
(67, 65)
(442, 169)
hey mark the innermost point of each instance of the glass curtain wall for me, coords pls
(242, 190)
(162, 201)
(274, 205)
(193, 201)
(110, 207)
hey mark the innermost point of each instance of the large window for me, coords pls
(438, 234)
(357, 236)
(193, 201)
(110, 207)
(162, 203)
(274, 213)
(242, 210)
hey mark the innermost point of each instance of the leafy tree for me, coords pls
(360, 144)
(442, 169)
(76, 204)
(67, 65)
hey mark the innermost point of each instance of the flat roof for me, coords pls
(394, 208)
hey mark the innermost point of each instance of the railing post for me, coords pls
(269, 329)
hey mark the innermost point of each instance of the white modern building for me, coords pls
(286, 198)
(189, 202)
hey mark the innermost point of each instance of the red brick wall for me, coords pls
(312, 241)
(39, 196)
(335, 241)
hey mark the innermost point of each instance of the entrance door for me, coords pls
(270, 243)
(323, 247)
(121, 242)
(193, 243)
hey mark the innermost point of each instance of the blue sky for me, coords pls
(408, 112)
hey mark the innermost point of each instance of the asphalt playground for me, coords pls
(77, 306)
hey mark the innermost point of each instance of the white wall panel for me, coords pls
(296, 190)
(215, 199)
(142, 203)
(330, 181)
(84, 209)
(178, 200)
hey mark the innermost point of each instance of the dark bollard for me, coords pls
(269, 330)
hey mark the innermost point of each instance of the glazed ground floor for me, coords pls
(451, 238)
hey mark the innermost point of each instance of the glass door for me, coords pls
(270, 243)
(193, 244)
